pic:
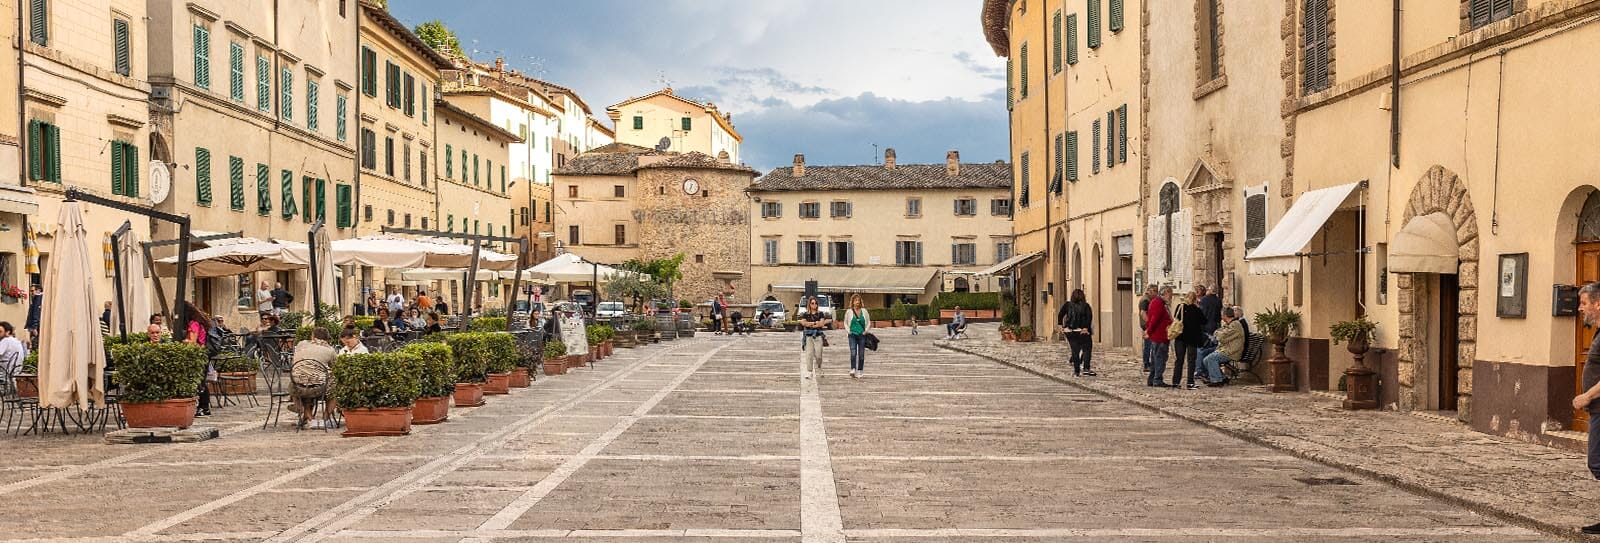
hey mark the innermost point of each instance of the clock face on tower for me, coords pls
(691, 187)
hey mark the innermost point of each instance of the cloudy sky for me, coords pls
(828, 78)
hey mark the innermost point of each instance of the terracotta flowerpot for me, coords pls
(498, 383)
(177, 413)
(386, 421)
(555, 366)
(1007, 335)
(520, 378)
(469, 394)
(28, 386)
(242, 383)
(611, 346)
(431, 410)
(594, 354)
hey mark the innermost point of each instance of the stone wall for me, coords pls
(711, 227)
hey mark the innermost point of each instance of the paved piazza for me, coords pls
(718, 439)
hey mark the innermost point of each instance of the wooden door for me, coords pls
(1449, 340)
(1588, 272)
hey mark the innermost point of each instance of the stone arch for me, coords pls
(1440, 191)
(1077, 267)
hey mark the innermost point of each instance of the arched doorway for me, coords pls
(1095, 288)
(1063, 277)
(961, 285)
(1585, 234)
(1077, 267)
(1437, 331)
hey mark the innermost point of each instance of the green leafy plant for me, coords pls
(1023, 330)
(293, 320)
(375, 381)
(236, 364)
(493, 312)
(365, 323)
(967, 300)
(593, 335)
(333, 327)
(554, 349)
(438, 371)
(488, 324)
(606, 332)
(685, 304)
(1012, 315)
(155, 372)
(116, 339)
(1278, 321)
(439, 37)
(1361, 328)
(30, 363)
(499, 352)
(645, 325)
(471, 356)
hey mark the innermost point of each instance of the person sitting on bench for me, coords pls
(1230, 348)
(956, 325)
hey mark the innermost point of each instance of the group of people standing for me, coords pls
(1198, 332)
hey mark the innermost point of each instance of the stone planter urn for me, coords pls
(431, 410)
(385, 421)
(469, 394)
(1361, 383)
(1281, 367)
(498, 383)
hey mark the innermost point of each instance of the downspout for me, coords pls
(1394, 90)
(22, 100)
(1044, 22)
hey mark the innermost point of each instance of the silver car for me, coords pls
(610, 309)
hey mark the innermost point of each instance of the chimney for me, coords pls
(888, 158)
(952, 163)
(799, 166)
(499, 64)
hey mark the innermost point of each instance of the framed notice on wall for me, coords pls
(1511, 286)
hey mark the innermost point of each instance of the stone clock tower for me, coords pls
(696, 204)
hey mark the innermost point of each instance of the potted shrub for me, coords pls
(499, 353)
(605, 334)
(236, 376)
(1358, 333)
(1008, 332)
(1359, 382)
(527, 358)
(645, 330)
(376, 392)
(438, 375)
(555, 357)
(1023, 333)
(471, 368)
(160, 382)
(28, 380)
(1277, 323)
(488, 324)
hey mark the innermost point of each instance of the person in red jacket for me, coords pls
(1157, 319)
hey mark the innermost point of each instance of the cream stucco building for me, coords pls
(894, 233)
(684, 124)
(17, 202)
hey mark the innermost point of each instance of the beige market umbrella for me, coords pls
(135, 288)
(71, 354)
(327, 273)
(231, 257)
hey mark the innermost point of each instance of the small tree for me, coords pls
(636, 287)
(439, 37)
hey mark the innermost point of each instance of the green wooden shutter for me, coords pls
(1072, 156)
(1094, 152)
(1023, 90)
(116, 167)
(1072, 39)
(502, 178)
(202, 57)
(263, 84)
(124, 54)
(286, 90)
(449, 162)
(35, 150)
(263, 190)
(1116, 16)
(1010, 87)
(342, 200)
(1122, 133)
(638, 122)
(1111, 143)
(1055, 43)
(287, 184)
(311, 105)
(55, 153)
(322, 199)
(130, 170)
(1061, 165)
(687, 123)
(236, 71)
(305, 198)
(475, 171)
(38, 25)
(1026, 180)
(369, 79)
(235, 183)
(339, 113)
(1094, 24)
(463, 165)
(202, 176)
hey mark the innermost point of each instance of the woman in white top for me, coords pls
(857, 321)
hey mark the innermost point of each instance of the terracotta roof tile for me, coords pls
(904, 176)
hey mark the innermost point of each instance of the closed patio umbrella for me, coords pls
(135, 287)
(71, 354)
(327, 273)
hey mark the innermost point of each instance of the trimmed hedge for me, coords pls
(438, 368)
(155, 372)
(333, 327)
(471, 356)
(372, 381)
(501, 350)
(239, 364)
(488, 324)
(967, 300)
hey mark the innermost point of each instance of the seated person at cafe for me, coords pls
(1230, 348)
(414, 320)
(153, 332)
(381, 324)
(397, 322)
(308, 377)
(350, 343)
(161, 321)
(433, 324)
(349, 321)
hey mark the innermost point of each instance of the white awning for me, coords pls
(1426, 244)
(19, 200)
(1007, 264)
(1279, 252)
(863, 280)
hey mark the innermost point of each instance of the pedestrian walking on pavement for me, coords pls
(1144, 308)
(859, 321)
(1187, 344)
(35, 310)
(1077, 323)
(1589, 307)
(813, 323)
(1155, 333)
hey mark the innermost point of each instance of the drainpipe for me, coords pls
(22, 100)
(1044, 22)
(1394, 90)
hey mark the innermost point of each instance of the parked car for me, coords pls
(584, 298)
(824, 304)
(779, 313)
(610, 309)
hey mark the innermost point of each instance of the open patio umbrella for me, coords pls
(230, 257)
(70, 348)
(443, 274)
(571, 268)
(135, 287)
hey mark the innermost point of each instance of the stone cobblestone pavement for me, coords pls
(1527, 484)
(720, 439)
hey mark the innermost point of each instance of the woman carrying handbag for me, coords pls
(859, 322)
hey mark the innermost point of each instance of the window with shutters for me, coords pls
(263, 190)
(1055, 43)
(770, 210)
(407, 222)
(1000, 207)
(687, 122)
(913, 207)
(1208, 40)
(1072, 156)
(287, 186)
(1002, 251)
(1094, 149)
(286, 98)
(322, 199)
(1483, 12)
(405, 166)
(1022, 89)
(388, 156)
(810, 210)
(572, 234)
(963, 254)
(411, 95)
(366, 214)
(1115, 21)
(343, 200)
(638, 122)
(263, 84)
(390, 218)
(1111, 139)
(202, 57)
(369, 71)
(1072, 39)
(391, 84)
(340, 109)
(1122, 134)
(422, 167)
(463, 165)
(1060, 171)
(1255, 220)
(907, 253)
(572, 191)
(770, 251)
(122, 49)
(966, 207)
(841, 253)
(449, 162)
(202, 176)
(808, 252)
(839, 210)
(39, 22)
(475, 170)
(502, 178)
(124, 169)
(44, 151)
(1010, 86)
(236, 71)
(305, 199)
(427, 102)
(621, 234)
(1315, 60)
(1024, 180)
(617, 191)
(369, 149)
(1092, 14)
(312, 99)
(450, 220)
(235, 183)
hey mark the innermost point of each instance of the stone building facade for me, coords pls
(17, 203)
